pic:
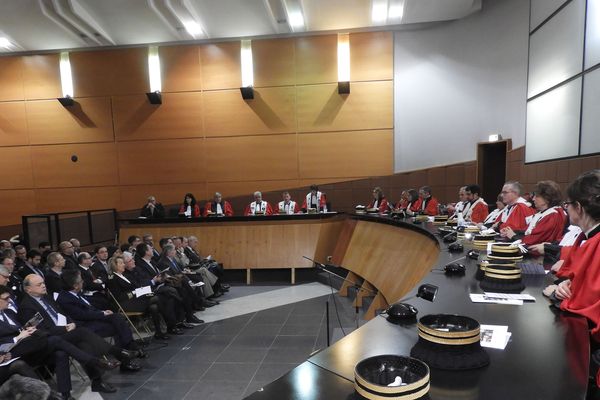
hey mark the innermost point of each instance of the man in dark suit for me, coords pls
(52, 276)
(14, 281)
(32, 265)
(36, 300)
(152, 209)
(100, 265)
(103, 322)
(67, 250)
(94, 289)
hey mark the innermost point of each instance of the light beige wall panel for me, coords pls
(221, 65)
(346, 154)
(41, 76)
(181, 69)
(11, 78)
(96, 165)
(368, 106)
(16, 203)
(271, 111)
(274, 62)
(316, 59)
(371, 56)
(76, 199)
(13, 124)
(89, 120)
(180, 116)
(15, 163)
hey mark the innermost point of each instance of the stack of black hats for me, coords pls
(502, 274)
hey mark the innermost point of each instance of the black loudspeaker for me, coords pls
(343, 87)
(247, 92)
(154, 97)
(427, 292)
(66, 101)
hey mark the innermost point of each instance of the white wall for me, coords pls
(458, 82)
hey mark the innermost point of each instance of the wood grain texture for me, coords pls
(221, 67)
(89, 120)
(371, 56)
(251, 158)
(16, 161)
(171, 161)
(271, 111)
(274, 62)
(13, 124)
(316, 59)
(11, 78)
(110, 72)
(53, 168)
(180, 116)
(41, 76)
(368, 106)
(181, 69)
(16, 203)
(76, 199)
(133, 197)
(346, 154)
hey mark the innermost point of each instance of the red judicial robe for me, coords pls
(402, 204)
(478, 211)
(321, 200)
(211, 206)
(430, 208)
(583, 267)
(383, 205)
(547, 226)
(290, 208)
(263, 206)
(195, 210)
(515, 216)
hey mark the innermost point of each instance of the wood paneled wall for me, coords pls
(204, 137)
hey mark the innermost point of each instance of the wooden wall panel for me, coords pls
(134, 197)
(110, 72)
(13, 124)
(316, 59)
(371, 56)
(180, 68)
(221, 67)
(11, 78)
(89, 120)
(16, 163)
(273, 61)
(180, 116)
(251, 158)
(96, 165)
(368, 106)
(16, 203)
(161, 161)
(41, 76)
(76, 199)
(271, 111)
(346, 154)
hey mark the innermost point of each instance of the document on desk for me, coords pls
(510, 296)
(482, 298)
(139, 292)
(494, 336)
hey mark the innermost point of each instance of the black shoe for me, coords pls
(142, 354)
(161, 336)
(194, 320)
(215, 295)
(185, 325)
(127, 355)
(103, 363)
(175, 331)
(210, 303)
(130, 366)
(199, 308)
(225, 286)
(103, 387)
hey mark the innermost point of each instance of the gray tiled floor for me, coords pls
(232, 358)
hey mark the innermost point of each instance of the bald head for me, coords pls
(33, 285)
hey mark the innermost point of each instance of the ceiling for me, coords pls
(42, 25)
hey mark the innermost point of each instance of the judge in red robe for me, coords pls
(548, 224)
(287, 206)
(218, 207)
(517, 210)
(404, 201)
(258, 206)
(427, 204)
(189, 208)
(412, 207)
(580, 294)
(478, 209)
(315, 199)
(379, 201)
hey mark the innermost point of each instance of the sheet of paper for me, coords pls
(197, 284)
(481, 298)
(139, 292)
(510, 296)
(495, 336)
(9, 361)
(62, 320)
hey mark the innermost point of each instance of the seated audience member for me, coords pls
(427, 204)
(517, 210)
(94, 289)
(152, 209)
(379, 201)
(315, 199)
(133, 241)
(32, 264)
(287, 205)
(99, 266)
(258, 206)
(5, 245)
(149, 240)
(53, 275)
(36, 301)
(14, 281)
(493, 216)
(210, 270)
(218, 207)
(103, 322)
(44, 246)
(76, 247)
(404, 200)
(67, 250)
(413, 202)
(458, 207)
(4, 281)
(548, 224)
(189, 208)
(20, 256)
(579, 293)
(478, 209)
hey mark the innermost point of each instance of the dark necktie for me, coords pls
(50, 309)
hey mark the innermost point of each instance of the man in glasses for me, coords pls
(517, 209)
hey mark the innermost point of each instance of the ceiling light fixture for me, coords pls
(295, 16)
(379, 12)
(5, 43)
(193, 28)
(396, 11)
(66, 80)
(154, 96)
